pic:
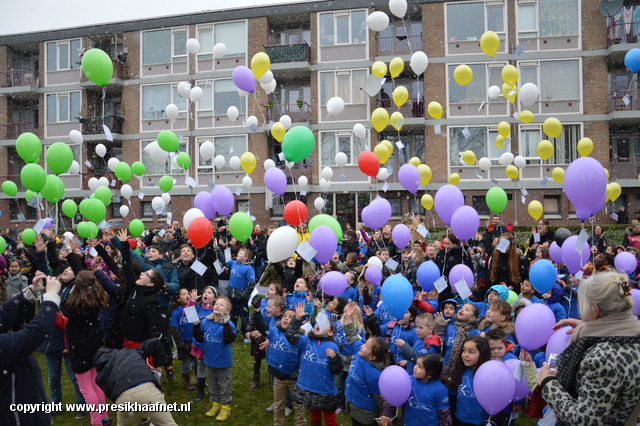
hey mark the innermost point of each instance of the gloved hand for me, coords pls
(246, 293)
(256, 302)
(225, 319)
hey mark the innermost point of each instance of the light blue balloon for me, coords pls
(397, 295)
(632, 60)
(543, 275)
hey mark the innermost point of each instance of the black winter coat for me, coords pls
(446, 262)
(84, 337)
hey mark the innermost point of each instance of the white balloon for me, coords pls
(269, 163)
(219, 50)
(94, 183)
(398, 7)
(234, 162)
(285, 120)
(184, 89)
(174, 162)
(506, 159)
(74, 169)
(193, 46)
(171, 111)
(325, 184)
(318, 203)
(104, 181)
(196, 94)
(303, 182)
(290, 164)
(166, 198)
(520, 162)
(383, 174)
(157, 203)
(269, 87)
(375, 261)
(219, 161)
(75, 136)
(528, 94)
(282, 244)
(112, 163)
(359, 130)
(126, 191)
(247, 182)
(484, 163)
(335, 105)
(266, 77)
(207, 150)
(232, 113)
(341, 159)
(101, 150)
(242, 93)
(419, 61)
(190, 215)
(251, 121)
(124, 211)
(327, 173)
(493, 93)
(378, 21)
(157, 154)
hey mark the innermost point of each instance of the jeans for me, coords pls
(219, 384)
(54, 368)
(241, 309)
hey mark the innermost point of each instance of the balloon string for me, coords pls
(404, 24)
(104, 95)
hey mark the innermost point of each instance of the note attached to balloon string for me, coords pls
(399, 144)
(189, 181)
(524, 191)
(191, 314)
(518, 372)
(385, 186)
(88, 164)
(536, 237)
(523, 199)
(420, 229)
(519, 51)
(227, 255)
(93, 251)
(162, 232)
(169, 217)
(503, 245)
(113, 182)
(307, 327)
(199, 267)
(307, 251)
(323, 321)
(466, 133)
(281, 156)
(141, 195)
(463, 289)
(303, 193)
(218, 267)
(626, 100)
(391, 264)
(579, 274)
(107, 133)
(257, 291)
(239, 190)
(481, 107)
(544, 181)
(583, 237)
(38, 226)
(494, 181)
(33, 202)
(441, 284)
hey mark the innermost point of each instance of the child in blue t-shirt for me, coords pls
(242, 280)
(449, 330)
(203, 308)
(300, 294)
(427, 342)
(182, 333)
(402, 329)
(499, 344)
(553, 299)
(350, 293)
(449, 308)
(499, 317)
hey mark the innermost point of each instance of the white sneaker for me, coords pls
(287, 412)
(271, 408)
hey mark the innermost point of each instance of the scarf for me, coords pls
(463, 332)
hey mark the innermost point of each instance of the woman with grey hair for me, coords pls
(598, 377)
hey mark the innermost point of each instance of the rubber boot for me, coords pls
(256, 382)
(186, 378)
(225, 412)
(200, 391)
(215, 409)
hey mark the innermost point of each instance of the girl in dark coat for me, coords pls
(451, 255)
(509, 268)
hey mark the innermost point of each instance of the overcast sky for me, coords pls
(27, 16)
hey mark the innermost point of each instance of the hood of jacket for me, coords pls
(556, 294)
(507, 326)
(502, 291)
(450, 301)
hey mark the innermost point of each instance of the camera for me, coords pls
(553, 362)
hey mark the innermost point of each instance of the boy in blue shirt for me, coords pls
(500, 347)
(242, 280)
(427, 342)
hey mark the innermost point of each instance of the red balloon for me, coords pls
(369, 163)
(295, 212)
(200, 232)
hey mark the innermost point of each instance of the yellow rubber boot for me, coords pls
(215, 409)
(225, 412)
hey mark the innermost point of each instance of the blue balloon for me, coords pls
(632, 60)
(428, 274)
(543, 275)
(397, 295)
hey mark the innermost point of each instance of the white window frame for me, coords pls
(59, 43)
(536, 33)
(538, 66)
(352, 159)
(490, 139)
(336, 74)
(227, 155)
(488, 67)
(174, 57)
(170, 170)
(572, 149)
(59, 96)
(182, 113)
(503, 35)
(336, 15)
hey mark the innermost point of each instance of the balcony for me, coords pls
(622, 32)
(414, 107)
(624, 167)
(300, 52)
(299, 112)
(19, 77)
(299, 169)
(13, 130)
(93, 125)
(399, 45)
(624, 100)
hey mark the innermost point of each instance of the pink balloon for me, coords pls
(333, 283)
(395, 385)
(534, 326)
(465, 222)
(325, 241)
(558, 342)
(522, 389)
(494, 386)
(635, 295)
(447, 200)
(555, 252)
(244, 79)
(571, 258)
(222, 200)
(373, 275)
(202, 201)
(626, 261)
(275, 180)
(401, 235)
(460, 272)
(409, 177)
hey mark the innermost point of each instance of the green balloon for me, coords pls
(3, 244)
(325, 219)
(59, 157)
(69, 208)
(183, 160)
(241, 226)
(136, 227)
(165, 183)
(33, 177)
(93, 230)
(29, 147)
(83, 205)
(97, 66)
(53, 190)
(104, 194)
(28, 236)
(298, 143)
(84, 230)
(28, 195)
(168, 141)
(513, 296)
(138, 168)
(122, 171)
(9, 188)
(95, 210)
(497, 199)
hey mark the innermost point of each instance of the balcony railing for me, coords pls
(299, 112)
(624, 167)
(624, 100)
(13, 130)
(93, 125)
(622, 32)
(399, 45)
(414, 107)
(280, 53)
(19, 77)
(298, 169)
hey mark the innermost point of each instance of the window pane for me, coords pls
(551, 204)
(566, 145)
(476, 142)
(529, 75)
(493, 150)
(327, 87)
(226, 95)
(465, 21)
(359, 145)
(205, 37)
(344, 145)
(344, 87)
(63, 108)
(76, 100)
(234, 36)
(63, 56)
(559, 80)
(529, 143)
(472, 92)
(526, 17)
(179, 101)
(558, 17)
(358, 27)
(76, 47)
(358, 79)
(326, 29)
(495, 21)
(51, 108)
(156, 47)
(204, 166)
(52, 63)
(228, 146)
(179, 43)
(342, 26)
(154, 100)
(328, 149)
(206, 102)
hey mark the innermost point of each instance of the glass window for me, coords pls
(415, 207)
(76, 48)
(226, 95)
(52, 99)
(560, 80)
(476, 142)
(343, 27)
(465, 21)
(396, 203)
(156, 47)
(476, 91)
(204, 166)
(75, 103)
(155, 99)
(493, 151)
(528, 74)
(52, 56)
(152, 167)
(551, 204)
(63, 107)
(334, 142)
(229, 146)
(326, 29)
(480, 204)
(527, 18)
(529, 139)
(63, 55)
(495, 20)
(233, 35)
(180, 45)
(345, 84)
(558, 17)
(358, 27)
(205, 37)
(146, 210)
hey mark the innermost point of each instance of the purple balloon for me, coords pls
(522, 389)
(333, 283)
(584, 183)
(325, 241)
(448, 198)
(202, 202)
(373, 275)
(571, 258)
(465, 222)
(635, 295)
(599, 204)
(395, 385)
(555, 252)
(401, 235)
(460, 272)
(3, 263)
(534, 326)
(409, 177)
(378, 213)
(558, 342)
(48, 223)
(244, 79)
(222, 200)
(494, 386)
(275, 180)
(626, 261)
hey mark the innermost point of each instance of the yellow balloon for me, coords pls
(512, 172)
(400, 96)
(606, 172)
(389, 145)
(585, 146)
(260, 64)
(504, 128)
(500, 141)
(535, 209)
(382, 152)
(396, 66)
(380, 119)
(427, 201)
(397, 120)
(490, 43)
(616, 190)
(415, 161)
(435, 110)
(509, 92)
(552, 127)
(510, 75)
(545, 149)
(558, 174)
(463, 75)
(278, 131)
(425, 174)
(248, 162)
(526, 116)
(454, 179)
(379, 69)
(469, 157)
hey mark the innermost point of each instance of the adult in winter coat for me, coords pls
(509, 268)
(632, 235)
(451, 255)
(598, 378)
(545, 236)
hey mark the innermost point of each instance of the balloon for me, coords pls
(240, 226)
(427, 201)
(453, 179)
(93, 183)
(484, 163)
(409, 177)
(509, 75)
(183, 160)
(543, 275)
(69, 208)
(584, 183)
(428, 273)
(535, 209)
(397, 120)
(534, 325)
(493, 93)
(157, 204)
(260, 64)
(561, 235)
(248, 162)
(113, 161)
(521, 387)
(122, 171)
(512, 172)
(166, 198)
(425, 174)
(219, 161)
(558, 174)
(513, 296)
(219, 50)
(606, 172)
(465, 222)
(558, 341)
(327, 173)
(124, 210)
(496, 199)
(435, 110)
(325, 219)
(552, 127)
(136, 227)
(379, 119)
(302, 181)
(626, 261)
(401, 235)
(398, 7)
(400, 96)
(463, 75)
(360, 131)
(615, 190)
(247, 182)
(184, 89)
(382, 152)
(324, 240)
(101, 150)
(333, 283)
(635, 295)
(520, 162)
(104, 194)
(298, 143)
(191, 214)
(278, 131)
(94, 211)
(383, 174)
(375, 261)
(232, 114)
(285, 120)
(528, 94)
(373, 275)
(500, 141)
(419, 62)
(325, 184)
(378, 213)
(282, 244)
(378, 21)
(379, 69)
(504, 129)
(335, 106)
(74, 169)
(33, 177)
(526, 116)
(469, 157)
(318, 203)
(368, 163)
(506, 158)
(266, 78)
(573, 259)
(222, 200)
(585, 146)
(269, 163)
(295, 212)
(243, 79)
(126, 191)
(632, 60)
(158, 155)
(196, 94)
(545, 150)
(490, 43)
(395, 384)
(9, 188)
(448, 198)
(28, 236)
(83, 229)
(75, 136)
(200, 232)
(509, 92)
(234, 162)
(193, 46)
(461, 272)
(397, 295)
(494, 386)
(555, 252)
(275, 180)
(28, 147)
(171, 111)
(97, 66)
(168, 141)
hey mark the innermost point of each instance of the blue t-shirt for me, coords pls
(427, 398)
(468, 409)
(282, 355)
(375, 297)
(202, 312)
(362, 381)
(315, 374)
(240, 274)
(349, 294)
(263, 307)
(178, 319)
(341, 339)
(217, 353)
(450, 336)
(419, 347)
(383, 314)
(508, 355)
(398, 332)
